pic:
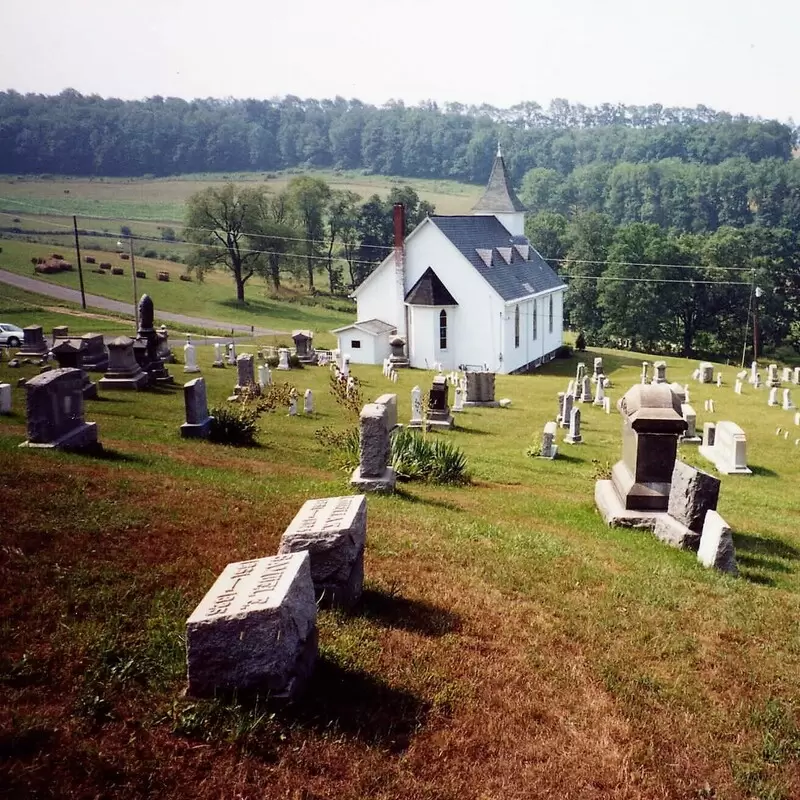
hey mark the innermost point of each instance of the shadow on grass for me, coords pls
(358, 705)
(471, 431)
(562, 456)
(417, 616)
(759, 559)
(428, 501)
(767, 473)
(107, 454)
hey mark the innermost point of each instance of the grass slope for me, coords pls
(509, 644)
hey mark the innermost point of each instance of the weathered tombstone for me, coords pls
(123, 371)
(69, 355)
(773, 397)
(640, 482)
(390, 402)
(232, 354)
(598, 369)
(728, 452)
(660, 368)
(5, 398)
(696, 375)
(690, 415)
(600, 393)
(797, 418)
(566, 410)
(786, 375)
(163, 350)
(60, 332)
(480, 389)
(304, 346)
(586, 389)
(245, 373)
(607, 405)
(198, 421)
(33, 344)
(146, 345)
(255, 630)
(218, 361)
(190, 356)
(95, 355)
(788, 405)
(292, 405)
(346, 366)
(737, 387)
(796, 376)
(753, 371)
(416, 408)
(283, 358)
(334, 532)
(716, 545)
(398, 358)
(645, 368)
(308, 402)
(706, 372)
(458, 399)
(574, 435)
(580, 373)
(393, 375)
(262, 375)
(571, 388)
(679, 392)
(55, 412)
(772, 376)
(560, 396)
(439, 415)
(719, 380)
(373, 473)
(549, 448)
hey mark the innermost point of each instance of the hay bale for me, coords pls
(105, 265)
(185, 277)
(124, 256)
(163, 276)
(117, 271)
(90, 260)
(140, 273)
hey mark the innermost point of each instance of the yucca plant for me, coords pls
(234, 425)
(418, 457)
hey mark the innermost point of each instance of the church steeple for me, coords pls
(500, 200)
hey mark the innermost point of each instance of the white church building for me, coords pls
(462, 291)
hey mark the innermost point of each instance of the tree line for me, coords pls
(640, 286)
(306, 228)
(75, 134)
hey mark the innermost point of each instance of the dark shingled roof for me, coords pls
(498, 197)
(430, 291)
(521, 277)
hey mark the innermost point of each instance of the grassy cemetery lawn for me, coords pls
(508, 644)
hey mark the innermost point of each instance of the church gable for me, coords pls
(430, 291)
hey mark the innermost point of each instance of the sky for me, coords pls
(730, 55)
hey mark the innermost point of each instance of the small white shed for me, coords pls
(366, 342)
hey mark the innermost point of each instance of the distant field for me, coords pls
(98, 200)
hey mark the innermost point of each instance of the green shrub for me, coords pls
(418, 457)
(342, 445)
(580, 342)
(234, 425)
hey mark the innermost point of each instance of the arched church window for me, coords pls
(443, 330)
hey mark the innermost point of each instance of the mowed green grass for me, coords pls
(212, 299)
(163, 199)
(509, 645)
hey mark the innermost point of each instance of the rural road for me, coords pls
(74, 296)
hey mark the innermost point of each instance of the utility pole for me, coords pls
(135, 293)
(756, 333)
(80, 267)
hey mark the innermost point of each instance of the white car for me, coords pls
(11, 335)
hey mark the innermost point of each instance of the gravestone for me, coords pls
(398, 358)
(645, 368)
(163, 350)
(773, 397)
(772, 376)
(549, 448)
(60, 332)
(580, 373)
(716, 545)
(198, 421)
(390, 402)
(480, 389)
(719, 380)
(660, 368)
(5, 398)
(571, 389)
(458, 400)
(439, 415)
(146, 345)
(598, 370)
(95, 355)
(69, 355)
(607, 405)
(706, 372)
(640, 483)
(33, 344)
(232, 354)
(373, 473)
(692, 495)
(123, 371)
(55, 412)
(753, 371)
(709, 434)
(346, 366)
(574, 435)
(245, 373)
(219, 363)
(737, 387)
(416, 408)
(255, 630)
(679, 392)
(566, 410)
(690, 415)
(757, 381)
(560, 397)
(262, 375)
(728, 451)
(283, 358)
(334, 532)
(600, 393)
(293, 403)
(796, 376)
(788, 405)
(190, 356)
(308, 402)
(586, 389)
(786, 375)
(304, 346)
